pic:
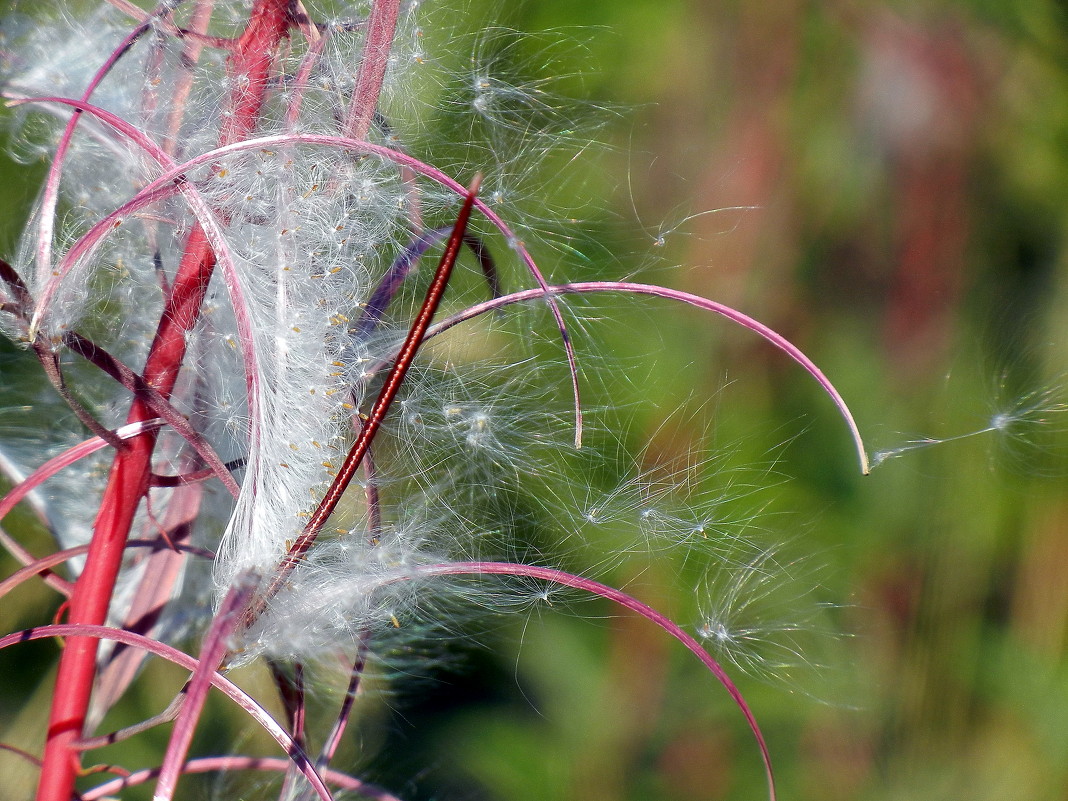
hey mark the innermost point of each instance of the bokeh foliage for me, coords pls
(907, 165)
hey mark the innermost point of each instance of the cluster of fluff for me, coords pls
(475, 460)
(761, 613)
(309, 231)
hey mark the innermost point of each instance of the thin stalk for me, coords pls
(332, 742)
(392, 384)
(291, 689)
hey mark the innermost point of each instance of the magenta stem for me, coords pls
(381, 26)
(628, 602)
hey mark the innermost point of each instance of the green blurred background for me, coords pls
(907, 165)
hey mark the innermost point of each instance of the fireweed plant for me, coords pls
(223, 282)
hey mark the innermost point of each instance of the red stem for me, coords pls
(249, 68)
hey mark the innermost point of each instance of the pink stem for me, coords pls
(45, 563)
(596, 287)
(545, 290)
(50, 195)
(211, 656)
(13, 547)
(42, 565)
(317, 41)
(212, 764)
(67, 458)
(381, 26)
(221, 683)
(627, 602)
